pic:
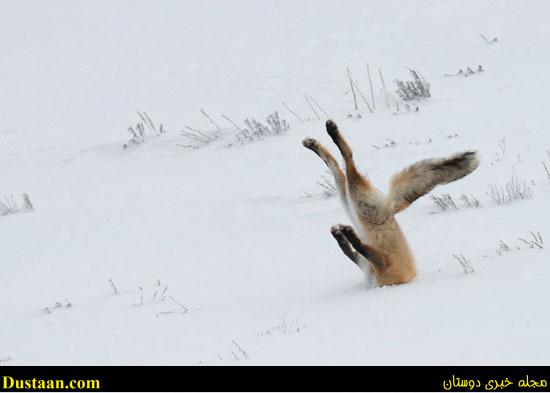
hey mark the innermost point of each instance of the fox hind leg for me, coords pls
(352, 174)
(367, 200)
(336, 136)
(324, 154)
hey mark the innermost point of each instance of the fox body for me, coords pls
(376, 244)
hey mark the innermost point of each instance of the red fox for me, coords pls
(379, 247)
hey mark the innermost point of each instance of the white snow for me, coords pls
(228, 230)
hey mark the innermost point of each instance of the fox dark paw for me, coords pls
(336, 230)
(347, 231)
(332, 129)
(309, 143)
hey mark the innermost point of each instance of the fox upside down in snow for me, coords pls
(379, 247)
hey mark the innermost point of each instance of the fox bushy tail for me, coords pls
(421, 177)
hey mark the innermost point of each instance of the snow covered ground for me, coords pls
(223, 255)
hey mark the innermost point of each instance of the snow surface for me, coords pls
(227, 232)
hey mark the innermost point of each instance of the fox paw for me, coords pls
(332, 129)
(347, 231)
(336, 230)
(309, 143)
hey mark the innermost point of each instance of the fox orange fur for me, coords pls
(379, 247)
